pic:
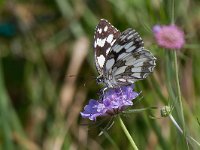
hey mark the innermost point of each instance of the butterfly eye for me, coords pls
(99, 79)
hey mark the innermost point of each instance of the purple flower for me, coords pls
(171, 36)
(113, 102)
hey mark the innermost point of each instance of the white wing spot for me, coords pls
(120, 70)
(122, 80)
(110, 63)
(110, 38)
(131, 36)
(95, 44)
(138, 69)
(145, 75)
(106, 28)
(138, 64)
(123, 38)
(101, 42)
(130, 61)
(131, 80)
(138, 61)
(151, 68)
(152, 62)
(121, 56)
(137, 75)
(130, 49)
(128, 45)
(117, 48)
(114, 69)
(107, 51)
(113, 42)
(101, 60)
(99, 30)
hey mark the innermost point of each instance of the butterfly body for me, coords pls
(120, 58)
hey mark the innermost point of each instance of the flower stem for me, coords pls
(110, 139)
(179, 128)
(172, 13)
(127, 134)
(179, 91)
(175, 123)
(177, 74)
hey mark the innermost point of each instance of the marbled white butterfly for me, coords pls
(120, 58)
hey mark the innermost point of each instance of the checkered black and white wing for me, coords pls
(137, 66)
(104, 38)
(127, 60)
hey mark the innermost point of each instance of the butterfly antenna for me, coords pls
(89, 80)
(140, 98)
(87, 124)
(95, 124)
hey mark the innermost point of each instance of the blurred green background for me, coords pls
(43, 43)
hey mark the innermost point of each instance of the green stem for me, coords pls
(179, 91)
(172, 13)
(177, 75)
(110, 139)
(127, 134)
(181, 131)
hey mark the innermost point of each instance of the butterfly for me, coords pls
(120, 58)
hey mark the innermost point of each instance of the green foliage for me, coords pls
(40, 100)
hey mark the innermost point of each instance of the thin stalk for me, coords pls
(175, 123)
(176, 73)
(139, 110)
(179, 97)
(179, 91)
(110, 139)
(127, 134)
(181, 131)
(172, 12)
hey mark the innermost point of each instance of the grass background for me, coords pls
(44, 42)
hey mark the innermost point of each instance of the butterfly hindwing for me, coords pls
(137, 66)
(127, 60)
(104, 37)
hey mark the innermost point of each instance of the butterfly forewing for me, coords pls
(104, 37)
(128, 42)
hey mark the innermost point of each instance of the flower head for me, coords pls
(113, 102)
(166, 111)
(171, 36)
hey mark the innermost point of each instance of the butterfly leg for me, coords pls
(99, 93)
(102, 92)
(120, 90)
(105, 89)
